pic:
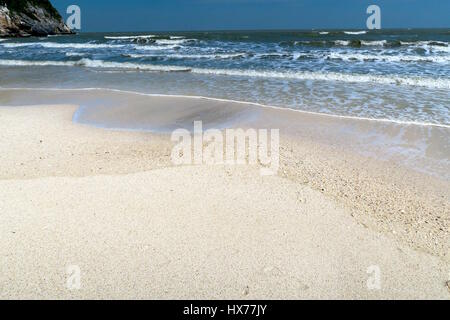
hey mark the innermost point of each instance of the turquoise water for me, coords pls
(399, 75)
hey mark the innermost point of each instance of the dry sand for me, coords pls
(111, 203)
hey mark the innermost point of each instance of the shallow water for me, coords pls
(398, 75)
(421, 148)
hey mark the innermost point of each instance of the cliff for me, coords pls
(23, 18)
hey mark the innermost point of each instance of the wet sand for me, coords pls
(112, 203)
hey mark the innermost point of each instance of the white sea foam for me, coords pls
(342, 42)
(96, 64)
(188, 56)
(208, 56)
(126, 65)
(434, 43)
(149, 36)
(75, 54)
(61, 45)
(23, 63)
(156, 47)
(429, 46)
(18, 45)
(174, 41)
(436, 83)
(386, 58)
(355, 32)
(374, 43)
(80, 45)
(436, 46)
(296, 55)
(130, 37)
(363, 43)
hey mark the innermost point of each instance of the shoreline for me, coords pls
(426, 124)
(403, 142)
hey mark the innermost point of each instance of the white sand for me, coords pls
(144, 229)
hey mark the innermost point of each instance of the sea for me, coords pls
(401, 76)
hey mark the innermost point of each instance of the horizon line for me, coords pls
(274, 29)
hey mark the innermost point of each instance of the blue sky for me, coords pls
(169, 15)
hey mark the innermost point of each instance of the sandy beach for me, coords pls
(112, 203)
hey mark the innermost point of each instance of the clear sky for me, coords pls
(169, 15)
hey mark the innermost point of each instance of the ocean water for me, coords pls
(395, 75)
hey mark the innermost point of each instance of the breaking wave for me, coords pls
(188, 56)
(436, 83)
(437, 46)
(62, 45)
(334, 76)
(387, 58)
(355, 32)
(130, 37)
(96, 64)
